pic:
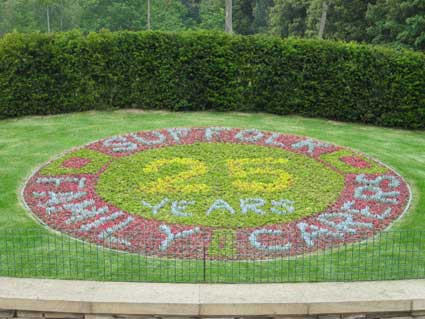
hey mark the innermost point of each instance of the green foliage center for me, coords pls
(202, 174)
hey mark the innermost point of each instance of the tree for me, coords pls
(39, 15)
(149, 9)
(193, 14)
(261, 15)
(323, 18)
(168, 15)
(114, 14)
(20, 15)
(347, 20)
(212, 15)
(251, 16)
(229, 16)
(413, 34)
(244, 16)
(397, 22)
(289, 17)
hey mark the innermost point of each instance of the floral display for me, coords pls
(214, 192)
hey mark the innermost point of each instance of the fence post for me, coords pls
(204, 260)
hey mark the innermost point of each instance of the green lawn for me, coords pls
(28, 142)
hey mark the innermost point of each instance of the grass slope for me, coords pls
(28, 142)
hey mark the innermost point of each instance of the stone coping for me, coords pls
(193, 300)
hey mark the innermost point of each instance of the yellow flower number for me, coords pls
(252, 168)
(245, 170)
(175, 182)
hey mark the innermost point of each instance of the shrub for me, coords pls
(67, 72)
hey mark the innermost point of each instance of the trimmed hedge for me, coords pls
(67, 72)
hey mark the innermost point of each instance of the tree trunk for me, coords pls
(48, 18)
(323, 19)
(149, 15)
(62, 14)
(229, 19)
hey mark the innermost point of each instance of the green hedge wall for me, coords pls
(67, 72)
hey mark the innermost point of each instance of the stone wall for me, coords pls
(18, 314)
(56, 299)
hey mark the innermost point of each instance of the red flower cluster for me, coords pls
(76, 162)
(355, 161)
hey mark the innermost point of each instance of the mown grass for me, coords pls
(28, 142)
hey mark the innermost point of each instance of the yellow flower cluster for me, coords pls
(175, 183)
(255, 167)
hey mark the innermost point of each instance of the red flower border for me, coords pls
(349, 219)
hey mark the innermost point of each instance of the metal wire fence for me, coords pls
(43, 254)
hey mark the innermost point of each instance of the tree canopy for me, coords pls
(399, 23)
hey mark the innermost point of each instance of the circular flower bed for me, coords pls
(216, 193)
